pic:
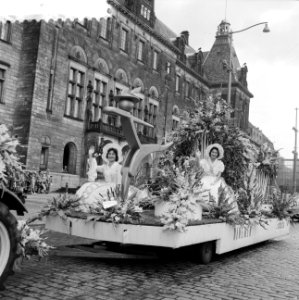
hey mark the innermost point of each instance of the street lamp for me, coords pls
(230, 69)
(295, 155)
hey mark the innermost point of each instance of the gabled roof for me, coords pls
(213, 62)
(163, 30)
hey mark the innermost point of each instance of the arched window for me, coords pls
(70, 158)
(44, 155)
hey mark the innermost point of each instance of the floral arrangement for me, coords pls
(10, 166)
(268, 161)
(208, 124)
(110, 207)
(184, 198)
(31, 241)
(249, 170)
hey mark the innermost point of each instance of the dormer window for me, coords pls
(145, 12)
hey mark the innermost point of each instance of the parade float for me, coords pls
(175, 208)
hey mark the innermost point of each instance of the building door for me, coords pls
(70, 158)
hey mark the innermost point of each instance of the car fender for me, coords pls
(12, 201)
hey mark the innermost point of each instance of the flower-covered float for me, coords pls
(17, 239)
(210, 185)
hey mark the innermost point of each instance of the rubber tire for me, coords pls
(10, 224)
(206, 252)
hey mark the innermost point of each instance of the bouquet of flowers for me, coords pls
(31, 242)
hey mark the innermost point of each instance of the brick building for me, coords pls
(56, 77)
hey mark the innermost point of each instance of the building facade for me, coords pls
(56, 78)
(258, 137)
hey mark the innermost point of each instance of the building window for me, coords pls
(187, 89)
(105, 27)
(112, 119)
(44, 158)
(124, 40)
(5, 30)
(155, 60)
(99, 98)
(152, 116)
(145, 12)
(74, 101)
(177, 83)
(69, 158)
(168, 67)
(2, 79)
(50, 93)
(140, 55)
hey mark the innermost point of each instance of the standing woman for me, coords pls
(93, 192)
(112, 169)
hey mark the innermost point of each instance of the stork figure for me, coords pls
(137, 150)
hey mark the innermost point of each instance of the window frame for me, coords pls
(45, 155)
(8, 26)
(153, 108)
(124, 42)
(178, 79)
(155, 59)
(2, 79)
(102, 96)
(80, 106)
(140, 50)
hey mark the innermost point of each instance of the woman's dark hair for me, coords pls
(114, 151)
(214, 148)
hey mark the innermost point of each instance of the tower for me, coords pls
(221, 60)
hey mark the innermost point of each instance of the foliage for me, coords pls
(208, 124)
(10, 166)
(281, 205)
(31, 241)
(184, 199)
(164, 182)
(268, 161)
(122, 211)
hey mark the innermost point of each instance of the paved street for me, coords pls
(266, 271)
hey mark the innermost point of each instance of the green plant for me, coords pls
(281, 205)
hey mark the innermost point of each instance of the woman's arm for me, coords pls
(219, 168)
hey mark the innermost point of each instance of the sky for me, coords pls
(272, 58)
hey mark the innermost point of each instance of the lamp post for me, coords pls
(230, 68)
(295, 155)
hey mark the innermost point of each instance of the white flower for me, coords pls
(138, 209)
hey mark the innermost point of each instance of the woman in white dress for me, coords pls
(94, 192)
(212, 181)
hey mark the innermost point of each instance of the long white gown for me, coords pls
(212, 182)
(93, 192)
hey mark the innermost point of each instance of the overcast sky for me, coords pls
(272, 58)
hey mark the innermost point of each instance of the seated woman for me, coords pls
(93, 192)
(211, 182)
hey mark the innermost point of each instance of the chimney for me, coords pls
(185, 34)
